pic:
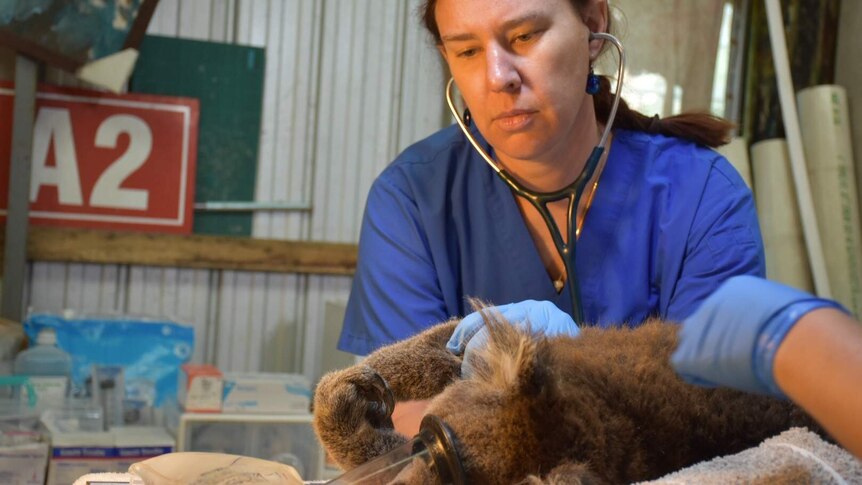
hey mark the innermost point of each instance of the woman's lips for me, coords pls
(514, 120)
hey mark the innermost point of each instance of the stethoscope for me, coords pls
(572, 192)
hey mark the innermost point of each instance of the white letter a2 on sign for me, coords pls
(53, 124)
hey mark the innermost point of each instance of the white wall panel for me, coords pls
(264, 306)
(269, 117)
(341, 119)
(348, 84)
(321, 290)
(371, 77)
(194, 19)
(221, 20)
(421, 104)
(145, 291)
(288, 130)
(166, 18)
(90, 288)
(86, 288)
(258, 324)
(365, 117)
(234, 319)
(193, 295)
(253, 18)
(282, 346)
(48, 286)
(256, 319)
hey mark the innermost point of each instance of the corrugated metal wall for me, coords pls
(349, 83)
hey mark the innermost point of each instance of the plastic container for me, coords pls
(73, 416)
(47, 367)
(285, 438)
(108, 392)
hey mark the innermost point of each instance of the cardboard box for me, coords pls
(264, 393)
(76, 454)
(24, 464)
(201, 388)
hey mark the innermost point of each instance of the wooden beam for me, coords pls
(193, 251)
(139, 27)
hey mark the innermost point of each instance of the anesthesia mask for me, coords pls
(429, 457)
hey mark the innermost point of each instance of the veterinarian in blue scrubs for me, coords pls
(663, 222)
(759, 336)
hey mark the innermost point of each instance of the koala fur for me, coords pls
(605, 407)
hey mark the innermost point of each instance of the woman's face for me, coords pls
(521, 66)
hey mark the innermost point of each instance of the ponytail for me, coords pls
(703, 128)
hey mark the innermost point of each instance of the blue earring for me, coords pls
(593, 85)
(468, 118)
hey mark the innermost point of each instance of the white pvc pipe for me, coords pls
(787, 98)
(775, 196)
(736, 152)
(824, 119)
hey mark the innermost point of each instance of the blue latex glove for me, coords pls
(543, 317)
(731, 340)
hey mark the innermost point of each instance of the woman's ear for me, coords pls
(595, 16)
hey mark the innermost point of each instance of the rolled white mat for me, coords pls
(736, 152)
(786, 258)
(825, 126)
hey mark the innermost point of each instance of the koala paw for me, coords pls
(353, 415)
(566, 473)
(353, 396)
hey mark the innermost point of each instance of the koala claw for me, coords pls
(380, 414)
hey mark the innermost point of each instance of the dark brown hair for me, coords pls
(703, 128)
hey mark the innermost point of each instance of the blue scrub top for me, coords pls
(669, 222)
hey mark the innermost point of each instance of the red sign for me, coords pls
(107, 161)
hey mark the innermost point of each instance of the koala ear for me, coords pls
(514, 360)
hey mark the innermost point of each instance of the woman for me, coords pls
(664, 220)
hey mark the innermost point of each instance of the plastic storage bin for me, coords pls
(285, 438)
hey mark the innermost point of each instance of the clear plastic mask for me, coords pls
(430, 457)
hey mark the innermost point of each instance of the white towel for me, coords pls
(112, 478)
(794, 456)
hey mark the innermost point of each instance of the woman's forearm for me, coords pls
(819, 366)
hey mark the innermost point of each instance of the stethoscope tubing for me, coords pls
(572, 192)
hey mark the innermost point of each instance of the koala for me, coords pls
(603, 407)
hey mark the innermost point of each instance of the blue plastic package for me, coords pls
(150, 351)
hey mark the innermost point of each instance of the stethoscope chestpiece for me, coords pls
(440, 442)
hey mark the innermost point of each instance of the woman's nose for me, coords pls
(502, 72)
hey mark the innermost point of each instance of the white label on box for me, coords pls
(48, 388)
(263, 395)
(204, 393)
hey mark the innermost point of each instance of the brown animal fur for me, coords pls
(603, 407)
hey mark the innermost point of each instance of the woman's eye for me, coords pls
(467, 52)
(527, 37)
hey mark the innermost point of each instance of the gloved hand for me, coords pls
(732, 338)
(543, 318)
